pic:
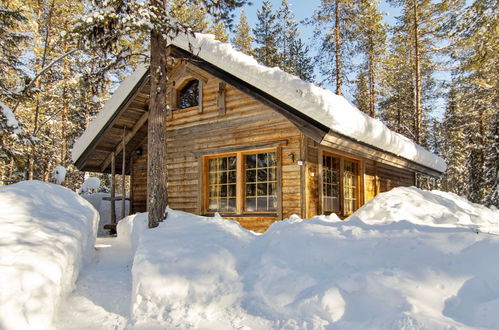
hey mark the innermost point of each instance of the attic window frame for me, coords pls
(186, 84)
(176, 86)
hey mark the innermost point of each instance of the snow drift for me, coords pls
(46, 233)
(417, 263)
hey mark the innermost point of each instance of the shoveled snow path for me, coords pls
(101, 299)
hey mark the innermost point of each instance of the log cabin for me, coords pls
(250, 142)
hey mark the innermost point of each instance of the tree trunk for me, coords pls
(157, 175)
(372, 112)
(417, 76)
(338, 45)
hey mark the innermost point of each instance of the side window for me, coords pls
(340, 185)
(188, 96)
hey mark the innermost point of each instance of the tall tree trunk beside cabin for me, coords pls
(338, 46)
(157, 175)
(417, 72)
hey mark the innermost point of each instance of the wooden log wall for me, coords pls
(138, 181)
(245, 125)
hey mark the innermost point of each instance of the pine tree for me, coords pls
(243, 39)
(332, 23)
(361, 98)
(287, 37)
(219, 31)
(265, 32)
(113, 20)
(370, 34)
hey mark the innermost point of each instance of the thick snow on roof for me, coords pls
(111, 106)
(332, 110)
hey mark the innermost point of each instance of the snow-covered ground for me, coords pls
(101, 299)
(409, 259)
(47, 233)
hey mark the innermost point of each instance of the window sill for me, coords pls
(247, 215)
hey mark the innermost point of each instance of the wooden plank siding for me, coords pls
(246, 125)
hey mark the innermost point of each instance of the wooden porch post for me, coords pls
(113, 188)
(123, 196)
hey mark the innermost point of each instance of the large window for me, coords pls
(243, 182)
(340, 185)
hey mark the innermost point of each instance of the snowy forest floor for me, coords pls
(102, 296)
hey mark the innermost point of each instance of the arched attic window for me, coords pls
(188, 95)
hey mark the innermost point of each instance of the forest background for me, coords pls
(429, 69)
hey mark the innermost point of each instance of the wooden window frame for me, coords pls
(360, 181)
(240, 183)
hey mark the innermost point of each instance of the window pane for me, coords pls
(330, 183)
(251, 190)
(213, 164)
(262, 175)
(232, 176)
(250, 176)
(262, 189)
(232, 162)
(232, 190)
(221, 184)
(188, 96)
(250, 161)
(232, 204)
(265, 178)
(262, 160)
(251, 204)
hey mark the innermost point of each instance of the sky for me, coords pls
(304, 9)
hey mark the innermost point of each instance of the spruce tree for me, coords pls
(243, 39)
(301, 61)
(474, 49)
(454, 145)
(265, 32)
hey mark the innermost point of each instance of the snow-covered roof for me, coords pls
(109, 109)
(331, 110)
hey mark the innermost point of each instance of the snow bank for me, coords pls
(209, 273)
(46, 233)
(432, 208)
